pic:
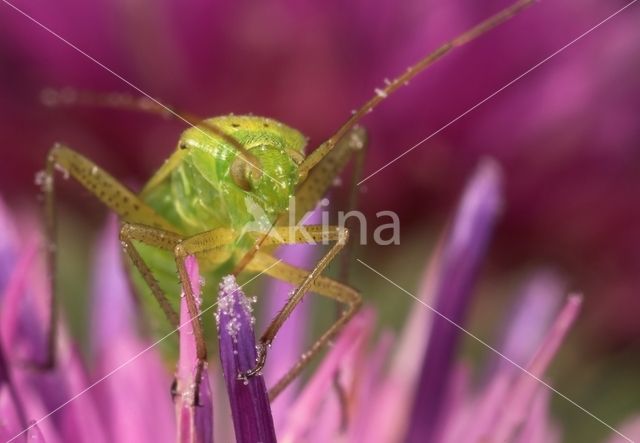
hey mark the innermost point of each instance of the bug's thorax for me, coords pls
(203, 192)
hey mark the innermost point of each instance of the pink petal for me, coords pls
(367, 401)
(630, 430)
(537, 427)
(398, 387)
(534, 311)
(195, 421)
(136, 375)
(34, 435)
(302, 413)
(517, 405)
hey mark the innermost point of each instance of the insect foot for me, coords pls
(261, 359)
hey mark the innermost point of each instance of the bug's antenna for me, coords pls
(117, 100)
(54, 98)
(391, 86)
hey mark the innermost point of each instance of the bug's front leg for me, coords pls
(160, 239)
(208, 245)
(105, 188)
(306, 280)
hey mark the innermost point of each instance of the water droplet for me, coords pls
(65, 173)
(380, 93)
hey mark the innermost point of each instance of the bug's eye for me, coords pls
(296, 156)
(245, 171)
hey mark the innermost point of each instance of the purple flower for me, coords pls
(461, 257)
(413, 384)
(566, 133)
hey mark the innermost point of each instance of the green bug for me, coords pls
(199, 203)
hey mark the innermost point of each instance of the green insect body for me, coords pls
(226, 174)
(200, 193)
(196, 190)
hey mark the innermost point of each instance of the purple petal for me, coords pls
(59, 397)
(23, 321)
(533, 313)
(195, 421)
(141, 379)
(8, 246)
(462, 254)
(23, 318)
(24, 326)
(250, 409)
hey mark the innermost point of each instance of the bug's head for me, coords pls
(254, 155)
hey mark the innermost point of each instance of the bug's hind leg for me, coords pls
(108, 190)
(305, 281)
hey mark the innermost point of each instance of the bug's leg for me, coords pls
(344, 267)
(161, 239)
(306, 281)
(324, 286)
(320, 178)
(71, 97)
(108, 190)
(352, 205)
(204, 244)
